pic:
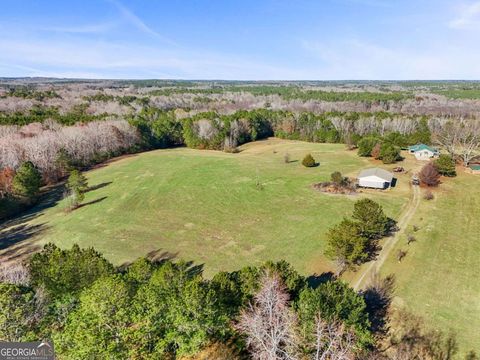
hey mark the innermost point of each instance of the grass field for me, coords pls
(205, 206)
(439, 277)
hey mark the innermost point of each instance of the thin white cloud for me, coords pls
(468, 17)
(83, 29)
(134, 20)
(107, 59)
(362, 60)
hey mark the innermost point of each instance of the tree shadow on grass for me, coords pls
(92, 202)
(17, 235)
(98, 186)
(315, 280)
(159, 256)
(155, 256)
(49, 198)
(17, 242)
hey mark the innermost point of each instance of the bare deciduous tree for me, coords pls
(269, 323)
(333, 341)
(460, 137)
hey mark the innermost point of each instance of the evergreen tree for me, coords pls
(366, 145)
(445, 165)
(77, 185)
(372, 221)
(308, 161)
(389, 153)
(27, 180)
(346, 245)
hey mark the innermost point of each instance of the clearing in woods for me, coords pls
(218, 209)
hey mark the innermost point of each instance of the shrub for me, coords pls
(309, 161)
(428, 195)
(429, 175)
(286, 158)
(445, 165)
(27, 180)
(337, 178)
(401, 254)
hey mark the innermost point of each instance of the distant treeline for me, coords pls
(210, 130)
(292, 93)
(38, 114)
(122, 100)
(28, 93)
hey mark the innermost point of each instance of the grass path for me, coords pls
(405, 218)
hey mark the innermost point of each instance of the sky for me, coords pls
(241, 39)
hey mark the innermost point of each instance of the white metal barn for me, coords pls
(375, 178)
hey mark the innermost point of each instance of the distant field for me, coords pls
(460, 93)
(205, 206)
(439, 277)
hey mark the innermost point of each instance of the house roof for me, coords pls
(420, 147)
(382, 174)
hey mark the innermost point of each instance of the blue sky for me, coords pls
(243, 39)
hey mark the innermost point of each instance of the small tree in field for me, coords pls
(372, 221)
(428, 195)
(27, 180)
(429, 175)
(76, 185)
(309, 161)
(445, 165)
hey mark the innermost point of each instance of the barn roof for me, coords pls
(382, 174)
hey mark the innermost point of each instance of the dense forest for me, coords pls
(157, 308)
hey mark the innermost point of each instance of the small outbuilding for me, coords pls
(375, 178)
(423, 152)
